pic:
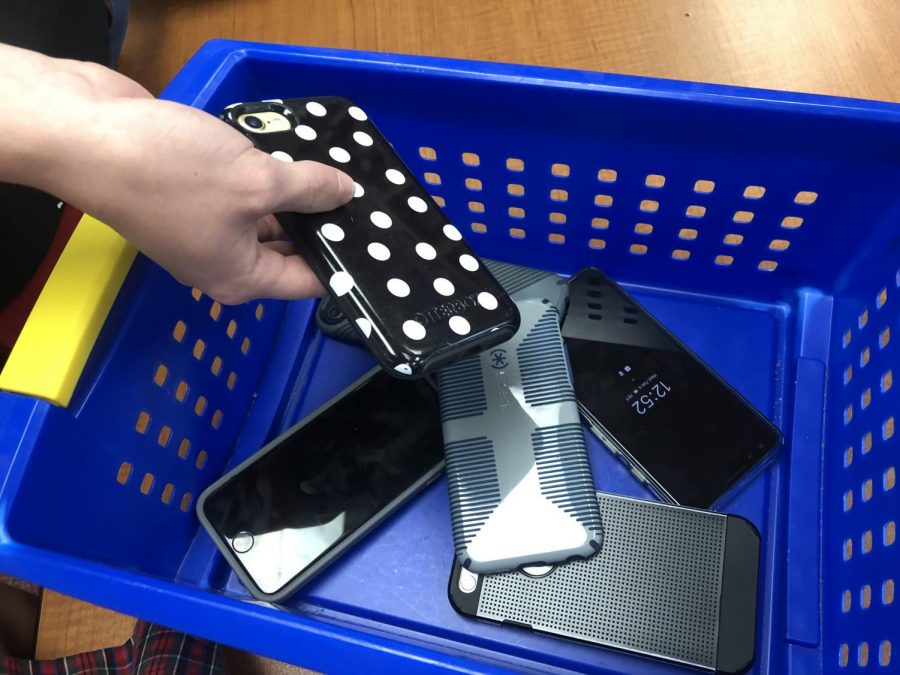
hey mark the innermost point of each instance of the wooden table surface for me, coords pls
(842, 47)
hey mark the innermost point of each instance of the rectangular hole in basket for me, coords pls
(681, 254)
(889, 480)
(216, 419)
(196, 294)
(560, 170)
(695, 211)
(558, 218)
(887, 592)
(866, 545)
(216, 366)
(867, 489)
(184, 448)
(884, 338)
(124, 473)
(556, 238)
(427, 153)
(515, 164)
(476, 207)
(687, 233)
(655, 180)
(260, 311)
(884, 653)
(199, 348)
(649, 205)
(867, 442)
(186, 502)
(479, 228)
(847, 337)
(167, 492)
(432, 178)
(232, 380)
(881, 298)
(516, 212)
(440, 201)
(846, 601)
(179, 331)
(215, 311)
(474, 184)
(704, 187)
(848, 549)
(515, 189)
(607, 175)
(181, 391)
(604, 201)
(733, 239)
(201, 459)
(863, 319)
(245, 346)
(887, 380)
(779, 245)
(643, 228)
(724, 260)
(865, 595)
(143, 422)
(865, 398)
(864, 357)
(231, 328)
(600, 223)
(200, 405)
(806, 197)
(159, 377)
(597, 244)
(848, 456)
(147, 483)
(743, 216)
(889, 533)
(848, 414)
(754, 192)
(848, 500)
(516, 233)
(471, 159)
(558, 195)
(844, 655)
(638, 249)
(791, 222)
(164, 436)
(767, 265)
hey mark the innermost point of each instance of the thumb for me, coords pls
(280, 276)
(310, 187)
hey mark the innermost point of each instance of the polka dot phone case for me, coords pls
(415, 292)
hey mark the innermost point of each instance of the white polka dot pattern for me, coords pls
(459, 325)
(413, 330)
(487, 300)
(316, 108)
(341, 283)
(282, 156)
(444, 286)
(357, 113)
(332, 232)
(452, 233)
(398, 287)
(425, 251)
(305, 132)
(380, 219)
(417, 204)
(468, 262)
(403, 368)
(358, 190)
(379, 251)
(362, 138)
(365, 326)
(339, 155)
(394, 176)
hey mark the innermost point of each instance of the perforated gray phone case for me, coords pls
(521, 490)
(670, 582)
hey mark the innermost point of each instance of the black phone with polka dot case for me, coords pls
(670, 583)
(414, 290)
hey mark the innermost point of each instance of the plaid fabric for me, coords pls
(152, 650)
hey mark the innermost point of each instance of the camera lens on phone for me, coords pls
(253, 122)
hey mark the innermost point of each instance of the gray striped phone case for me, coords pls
(521, 490)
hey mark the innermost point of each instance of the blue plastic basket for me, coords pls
(761, 227)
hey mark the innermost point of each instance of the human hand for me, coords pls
(185, 188)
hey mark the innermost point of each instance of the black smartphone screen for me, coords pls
(322, 481)
(692, 433)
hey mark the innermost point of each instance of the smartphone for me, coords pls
(413, 289)
(681, 429)
(671, 583)
(293, 508)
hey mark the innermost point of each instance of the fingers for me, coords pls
(310, 187)
(269, 229)
(279, 276)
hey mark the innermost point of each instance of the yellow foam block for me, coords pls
(61, 330)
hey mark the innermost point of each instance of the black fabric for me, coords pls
(75, 29)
